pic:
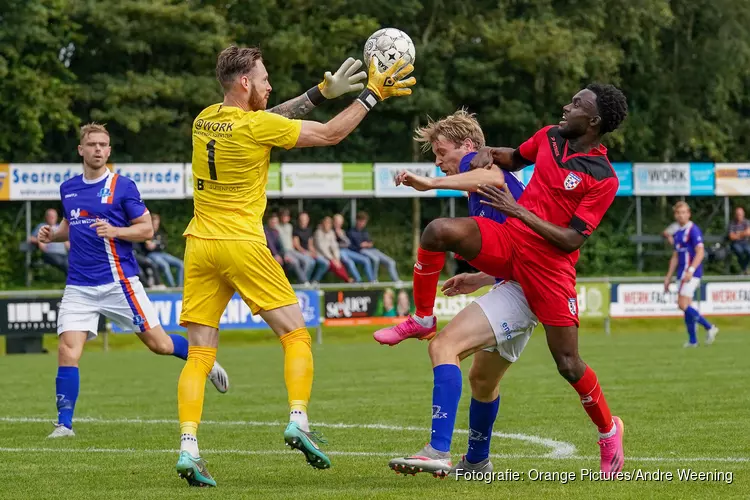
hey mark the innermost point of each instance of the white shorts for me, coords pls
(122, 302)
(688, 289)
(510, 317)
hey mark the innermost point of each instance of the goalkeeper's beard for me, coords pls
(256, 101)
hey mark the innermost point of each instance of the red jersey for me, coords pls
(568, 189)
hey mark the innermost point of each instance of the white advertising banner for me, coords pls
(40, 181)
(643, 300)
(155, 181)
(732, 179)
(662, 178)
(385, 185)
(312, 179)
(726, 298)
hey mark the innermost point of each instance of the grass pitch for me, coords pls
(682, 408)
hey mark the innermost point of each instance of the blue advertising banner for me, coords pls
(624, 172)
(702, 179)
(237, 315)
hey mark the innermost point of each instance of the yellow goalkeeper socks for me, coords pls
(191, 387)
(298, 368)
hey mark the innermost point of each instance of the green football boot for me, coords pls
(194, 470)
(307, 443)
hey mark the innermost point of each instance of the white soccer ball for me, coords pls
(388, 45)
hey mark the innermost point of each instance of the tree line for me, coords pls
(146, 68)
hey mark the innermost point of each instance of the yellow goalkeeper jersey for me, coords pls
(231, 155)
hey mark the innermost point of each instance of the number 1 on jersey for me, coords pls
(211, 159)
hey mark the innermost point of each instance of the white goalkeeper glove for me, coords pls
(346, 79)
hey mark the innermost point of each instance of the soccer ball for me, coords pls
(388, 45)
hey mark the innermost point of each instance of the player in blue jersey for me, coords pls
(104, 215)
(687, 260)
(495, 327)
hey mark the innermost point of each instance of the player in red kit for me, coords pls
(538, 246)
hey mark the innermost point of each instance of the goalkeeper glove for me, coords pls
(390, 83)
(346, 79)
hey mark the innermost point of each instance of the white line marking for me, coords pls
(506, 456)
(559, 449)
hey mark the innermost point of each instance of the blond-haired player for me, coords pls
(103, 216)
(495, 328)
(226, 249)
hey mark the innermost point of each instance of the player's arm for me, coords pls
(670, 271)
(47, 235)
(346, 79)
(466, 181)
(510, 159)
(140, 229)
(381, 86)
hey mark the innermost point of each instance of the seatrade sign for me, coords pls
(237, 315)
(643, 300)
(40, 181)
(652, 179)
(155, 181)
(732, 179)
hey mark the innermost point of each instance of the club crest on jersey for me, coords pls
(572, 181)
(138, 320)
(105, 193)
(573, 305)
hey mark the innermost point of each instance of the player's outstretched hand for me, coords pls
(461, 284)
(483, 159)
(499, 198)
(344, 80)
(104, 229)
(667, 282)
(45, 234)
(413, 180)
(392, 82)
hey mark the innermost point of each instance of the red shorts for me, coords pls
(548, 281)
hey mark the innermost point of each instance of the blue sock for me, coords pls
(481, 418)
(700, 319)
(66, 387)
(690, 323)
(180, 346)
(445, 397)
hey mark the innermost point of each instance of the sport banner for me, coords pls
(624, 172)
(390, 306)
(385, 185)
(732, 179)
(696, 179)
(237, 315)
(643, 300)
(40, 181)
(725, 299)
(4, 182)
(367, 307)
(312, 179)
(273, 186)
(155, 181)
(593, 300)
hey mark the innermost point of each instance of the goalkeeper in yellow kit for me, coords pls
(226, 248)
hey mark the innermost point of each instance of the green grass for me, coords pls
(677, 404)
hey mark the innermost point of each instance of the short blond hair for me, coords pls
(679, 205)
(91, 128)
(457, 127)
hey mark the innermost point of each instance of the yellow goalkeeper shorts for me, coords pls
(215, 269)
